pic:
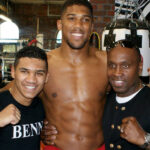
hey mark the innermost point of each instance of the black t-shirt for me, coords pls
(26, 134)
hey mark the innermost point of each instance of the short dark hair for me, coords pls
(31, 52)
(127, 44)
(85, 3)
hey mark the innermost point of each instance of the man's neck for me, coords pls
(126, 99)
(74, 56)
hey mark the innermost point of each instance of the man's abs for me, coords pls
(78, 125)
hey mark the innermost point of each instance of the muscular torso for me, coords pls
(74, 99)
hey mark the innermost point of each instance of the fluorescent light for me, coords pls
(9, 31)
(5, 18)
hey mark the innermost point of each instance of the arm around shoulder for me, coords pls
(7, 87)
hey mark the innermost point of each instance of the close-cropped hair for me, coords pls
(31, 52)
(127, 44)
(85, 3)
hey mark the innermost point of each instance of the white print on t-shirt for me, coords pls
(27, 130)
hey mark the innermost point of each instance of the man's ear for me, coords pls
(140, 68)
(13, 72)
(59, 24)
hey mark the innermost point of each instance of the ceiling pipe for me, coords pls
(38, 1)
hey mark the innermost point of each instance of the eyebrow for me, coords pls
(39, 70)
(85, 15)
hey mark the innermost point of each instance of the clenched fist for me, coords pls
(9, 115)
(132, 131)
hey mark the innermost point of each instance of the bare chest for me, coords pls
(80, 83)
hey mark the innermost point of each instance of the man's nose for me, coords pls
(31, 78)
(118, 71)
(78, 22)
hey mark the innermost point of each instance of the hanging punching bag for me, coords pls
(135, 30)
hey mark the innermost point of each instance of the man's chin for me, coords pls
(118, 89)
(74, 47)
(77, 46)
(30, 96)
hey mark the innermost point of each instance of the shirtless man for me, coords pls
(74, 95)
